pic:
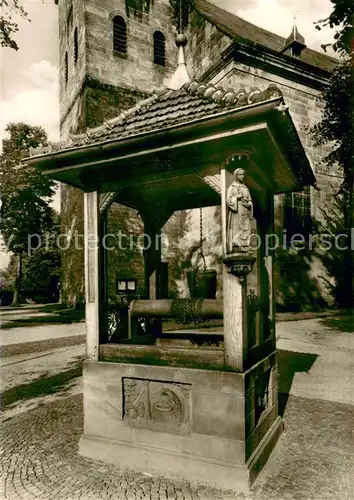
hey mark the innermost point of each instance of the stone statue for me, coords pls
(239, 201)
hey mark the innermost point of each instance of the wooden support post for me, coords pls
(152, 258)
(163, 276)
(235, 271)
(103, 284)
(92, 273)
(268, 264)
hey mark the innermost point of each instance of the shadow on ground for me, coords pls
(290, 362)
(41, 386)
(66, 316)
(343, 323)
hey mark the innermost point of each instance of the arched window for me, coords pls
(119, 35)
(66, 69)
(76, 46)
(159, 48)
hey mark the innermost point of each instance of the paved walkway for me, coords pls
(33, 334)
(21, 340)
(312, 461)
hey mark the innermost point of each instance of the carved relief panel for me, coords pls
(156, 405)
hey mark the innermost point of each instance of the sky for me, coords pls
(29, 77)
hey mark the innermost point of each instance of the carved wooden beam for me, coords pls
(106, 200)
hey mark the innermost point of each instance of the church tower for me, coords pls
(113, 53)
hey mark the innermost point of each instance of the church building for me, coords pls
(117, 53)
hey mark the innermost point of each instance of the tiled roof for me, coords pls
(235, 27)
(165, 109)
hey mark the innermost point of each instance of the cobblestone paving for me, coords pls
(39, 460)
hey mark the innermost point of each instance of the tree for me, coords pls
(335, 259)
(26, 194)
(342, 16)
(42, 271)
(8, 27)
(337, 128)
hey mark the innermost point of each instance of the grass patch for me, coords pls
(344, 323)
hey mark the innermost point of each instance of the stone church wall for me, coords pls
(107, 83)
(100, 86)
(305, 109)
(136, 70)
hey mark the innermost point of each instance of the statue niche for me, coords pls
(239, 227)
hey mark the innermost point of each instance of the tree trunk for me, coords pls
(18, 282)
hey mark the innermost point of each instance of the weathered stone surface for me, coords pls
(218, 414)
(160, 406)
(149, 414)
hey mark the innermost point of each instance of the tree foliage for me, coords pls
(337, 124)
(25, 193)
(337, 128)
(42, 271)
(9, 27)
(341, 17)
(337, 259)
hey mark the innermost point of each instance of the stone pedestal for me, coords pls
(214, 421)
(204, 426)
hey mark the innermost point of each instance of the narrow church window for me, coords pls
(159, 48)
(297, 213)
(76, 46)
(66, 68)
(119, 35)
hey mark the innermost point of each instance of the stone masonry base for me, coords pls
(202, 426)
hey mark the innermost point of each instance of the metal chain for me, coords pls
(186, 311)
(201, 230)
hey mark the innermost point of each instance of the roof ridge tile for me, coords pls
(166, 108)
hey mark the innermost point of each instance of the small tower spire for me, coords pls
(295, 41)
(181, 75)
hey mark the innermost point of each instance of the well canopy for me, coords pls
(184, 136)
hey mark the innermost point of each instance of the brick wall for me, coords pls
(71, 16)
(106, 101)
(125, 259)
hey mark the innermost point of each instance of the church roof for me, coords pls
(246, 32)
(166, 109)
